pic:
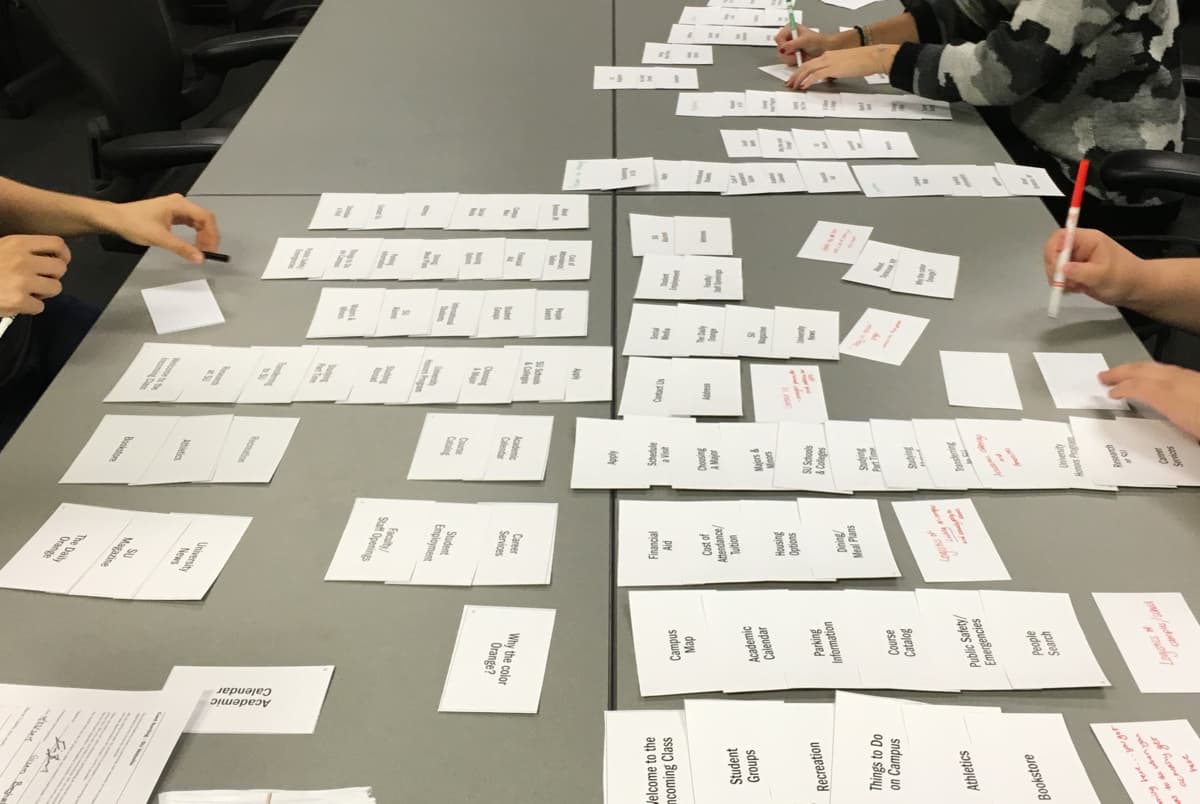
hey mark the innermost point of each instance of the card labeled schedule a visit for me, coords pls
(499, 660)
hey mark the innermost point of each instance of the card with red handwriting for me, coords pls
(883, 336)
(1158, 636)
(835, 242)
(949, 541)
(1158, 761)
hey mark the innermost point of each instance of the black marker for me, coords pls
(215, 256)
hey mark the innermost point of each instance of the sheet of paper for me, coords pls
(332, 374)
(340, 210)
(894, 648)
(120, 450)
(100, 746)
(499, 660)
(456, 313)
(652, 332)
(646, 390)
(886, 145)
(802, 458)
(440, 376)
(853, 456)
(1041, 641)
(651, 234)
(847, 539)
(1154, 760)
(958, 620)
(787, 393)
(1025, 180)
(589, 374)
(539, 373)
(124, 566)
(695, 329)
(386, 375)
(217, 374)
(252, 700)
(158, 373)
(352, 258)
(384, 211)
(758, 641)
(607, 456)
(805, 334)
(764, 178)
(949, 541)
(925, 273)
(876, 265)
(827, 177)
(657, 53)
(376, 544)
(518, 450)
(899, 451)
(703, 236)
(450, 537)
(182, 306)
(835, 242)
(518, 547)
(452, 446)
(883, 336)
(741, 751)
(1136, 452)
(706, 387)
(346, 313)
(1072, 378)
(1015, 454)
(507, 314)
(396, 259)
(674, 652)
(980, 380)
(646, 751)
(277, 374)
(524, 259)
(64, 548)
(567, 260)
(193, 563)
(607, 174)
(1031, 756)
(406, 312)
(1158, 636)
(871, 749)
(749, 331)
(430, 210)
(253, 448)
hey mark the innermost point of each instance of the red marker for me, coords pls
(1064, 256)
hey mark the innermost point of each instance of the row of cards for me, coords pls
(378, 211)
(816, 103)
(499, 660)
(883, 455)
(427, 543)
(363, 375)
(689, 641)
(857, 750)
(738, 330)
(349, 795)
(680, 235)
(741, 16)
(128, 555)
(345, 258)
(721, 35)
(667, 277)
(428, 312)
(606, 77)
(469, 446)
(156, 450)
(805, 143)
(805, 176)
(669, 543)
(664, 53)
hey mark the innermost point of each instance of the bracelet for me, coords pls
(867, 38)
(862, 36)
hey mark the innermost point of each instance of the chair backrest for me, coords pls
(125, 51)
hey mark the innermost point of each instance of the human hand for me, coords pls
(1099, 267)
(1172, 391)
(854, 62)
(808, 43)
(149, 222)
(30, 269)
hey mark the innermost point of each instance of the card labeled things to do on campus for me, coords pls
(129, 555)
(499, 660)
(427, 543)
(688, 641)
(252, 700)
(101, 746)
(467, 446)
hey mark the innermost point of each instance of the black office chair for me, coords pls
(245, 15)
(125, 51)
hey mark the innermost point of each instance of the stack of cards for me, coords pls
(667, 277)
(605, 77)
(880, 455)
(426, 543)
(735, 330)
(361, 375)
(349, 795)
(466, 446)
(375, 211)
(350, 258)
(859, 748)
(659, 234)
(748, 541)
(817, 103)
(682, 386)
(153, 450)
(379, 313)
(804, 143)
(663, 53)
(129, 555)
(690, 641)
(499, 660)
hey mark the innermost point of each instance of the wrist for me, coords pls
(843, 40)
(885, 56)
(100, 217)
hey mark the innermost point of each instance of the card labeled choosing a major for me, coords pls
(252, 700)
(499, 660)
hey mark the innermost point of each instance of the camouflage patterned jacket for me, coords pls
(1081, 77)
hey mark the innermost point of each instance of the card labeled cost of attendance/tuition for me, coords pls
(499, 660)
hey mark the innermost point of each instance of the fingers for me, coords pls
(183, 248)
(1050, 251)
(29, 306)
(783, 35)
(1087, 242)
(44, 245)
(188, 213)
(1142, 371)
(51, 267)
(1084, 275)
(801, 79)
(42, 287)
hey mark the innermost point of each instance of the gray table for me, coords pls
(391, 96)
(426, 95)
(391, 645)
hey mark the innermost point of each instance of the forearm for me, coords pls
(28, 210)
(893, 31)
(1169, 291)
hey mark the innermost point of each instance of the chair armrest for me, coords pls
(1191, 79)
(226, 53)
(160, 150)
(1136, 172)
(290, 12)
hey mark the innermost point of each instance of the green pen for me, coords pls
(792, 24)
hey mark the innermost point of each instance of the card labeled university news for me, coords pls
(499, 660)
(252, 700)
(1158, 636)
